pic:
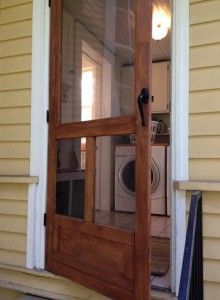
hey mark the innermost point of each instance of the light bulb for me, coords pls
(160, 23)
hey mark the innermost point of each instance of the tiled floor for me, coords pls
(160, 226)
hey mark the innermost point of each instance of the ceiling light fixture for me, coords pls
(160, 23)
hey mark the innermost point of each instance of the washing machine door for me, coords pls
(155, 176)
(127, 176)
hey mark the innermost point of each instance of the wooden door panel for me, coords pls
(106, 254)
(92, 282)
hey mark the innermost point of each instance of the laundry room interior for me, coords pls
(98, 82)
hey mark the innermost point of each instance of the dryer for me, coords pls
(125, 179)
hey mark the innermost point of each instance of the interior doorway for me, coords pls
(162, 219)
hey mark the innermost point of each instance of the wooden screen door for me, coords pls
(98, 212)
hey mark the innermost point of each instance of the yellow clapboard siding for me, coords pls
(16, 47)
(16, 13)
(10, 294)
(211, 225)
(17, 115)
(8, 3)
(211, 288)
(195, 1)
(16, 98)
(211, 248)
(15, 81)
(14, 133)
(13, 241)
(16, 30)
(48, 285)
(7, 257)
(205, 11)
(14, 191)
(203, 101)
(204, 169)
(14, 166)
(204, 147)
(205, 56)
(205, 79)
(14, 150)
(212, 271)
(21, 63)
(13, 223)
(13, 207)
(204, 124)
(210, 202)
(203, 34)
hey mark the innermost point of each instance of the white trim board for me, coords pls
(39, 134)
(179, 131)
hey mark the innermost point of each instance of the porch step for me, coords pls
(29, 297)
(161, 295)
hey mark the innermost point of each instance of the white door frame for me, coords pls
(179, 131)
(35, 256)
(39, 132)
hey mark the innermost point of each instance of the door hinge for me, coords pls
(49, 3)
(45, 219)
(47, 116)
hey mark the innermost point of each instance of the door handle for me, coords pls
(143, 98)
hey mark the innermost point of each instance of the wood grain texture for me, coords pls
(103, 252)
(101, 127)
(100, 286)
(111, 261)
(111, 233)
(54, 98)
(90, 179)
(143, 161)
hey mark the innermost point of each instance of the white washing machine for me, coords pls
(125, 179)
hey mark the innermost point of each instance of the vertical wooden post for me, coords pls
(54, 117)
(90, 179)
(143, 153)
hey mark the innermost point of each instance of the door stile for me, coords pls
(55, 63)
(54, 112)
(143, 153)
(90, 179)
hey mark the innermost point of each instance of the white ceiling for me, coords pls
(161, 50)
(92, 14)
